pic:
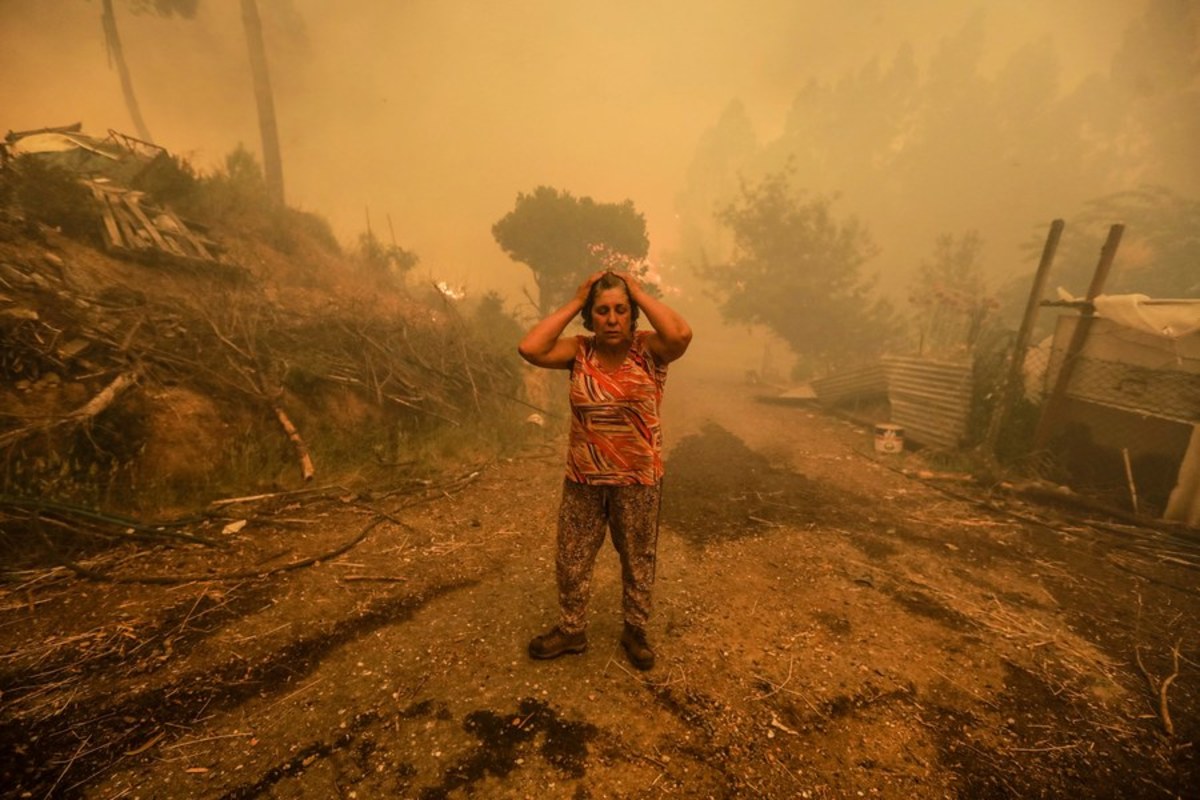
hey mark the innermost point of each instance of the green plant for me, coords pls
(387, 262)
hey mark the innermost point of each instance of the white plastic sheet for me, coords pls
(1170, 318)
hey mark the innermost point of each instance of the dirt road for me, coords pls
(826, 627)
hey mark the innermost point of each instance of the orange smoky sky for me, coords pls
(436, 113)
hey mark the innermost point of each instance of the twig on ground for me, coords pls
(374, 578)
(90, 574)
(67, 768)
(775, 687)
(1158, 690)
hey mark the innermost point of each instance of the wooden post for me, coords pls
(1014, 378)
(1052, 410)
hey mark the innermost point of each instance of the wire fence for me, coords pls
(1115, 418)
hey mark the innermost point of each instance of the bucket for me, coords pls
(889, 438)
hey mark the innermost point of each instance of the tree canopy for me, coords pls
(555, 234)
(963, 136)
(798, 270)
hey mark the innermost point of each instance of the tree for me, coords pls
(112, 40)
(797, 270)
(556, 234)
(269, 130)
(494, 326)
(384, 261)
(712, 178)
(264, 98)
(949, 295)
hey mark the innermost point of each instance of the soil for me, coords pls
(828, 624)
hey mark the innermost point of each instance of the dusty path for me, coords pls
(826, 627)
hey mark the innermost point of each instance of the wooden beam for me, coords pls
(1014, 377)
(1055, 403)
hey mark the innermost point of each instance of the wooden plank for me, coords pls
(133, 203)
(187, 234)
(112, 232)
(134, 239)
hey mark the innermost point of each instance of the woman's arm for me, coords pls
(672, 334)
(544, 346)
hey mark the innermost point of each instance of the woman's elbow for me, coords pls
(685, 339)
(527, 352)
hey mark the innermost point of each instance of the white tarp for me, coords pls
(55, 142)
(1170, 318)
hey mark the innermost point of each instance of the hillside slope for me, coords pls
(145, 385)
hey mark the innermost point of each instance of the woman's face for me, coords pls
(611, 316)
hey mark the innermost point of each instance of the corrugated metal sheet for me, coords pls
(853, 384)
(930, 399)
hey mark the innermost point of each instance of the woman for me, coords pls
(614, 454)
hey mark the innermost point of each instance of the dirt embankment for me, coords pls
(827, 627)
(146, 388)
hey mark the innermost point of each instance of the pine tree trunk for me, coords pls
(272, 162)
(113, 40)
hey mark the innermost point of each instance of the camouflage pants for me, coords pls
(631, 514)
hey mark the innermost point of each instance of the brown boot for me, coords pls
(555, 642)
(633, 639)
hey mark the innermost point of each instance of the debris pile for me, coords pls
(131, 387)
(131, 225)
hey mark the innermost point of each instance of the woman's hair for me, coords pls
(608, 280)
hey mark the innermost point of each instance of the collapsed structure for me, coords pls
(113, 168)
(1125, 423)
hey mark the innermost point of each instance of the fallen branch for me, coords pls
(306, 465)
(76, 518)
(170, 580)
(86, 412)
(374, 578)
(271, 495)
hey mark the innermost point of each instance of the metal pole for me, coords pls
(1052, 410)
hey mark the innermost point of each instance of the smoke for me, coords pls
(436, 113)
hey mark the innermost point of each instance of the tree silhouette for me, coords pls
(555, 235)
(112, 40)
(259, 73)
(268, 128)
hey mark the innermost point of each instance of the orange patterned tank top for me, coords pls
(616, 438)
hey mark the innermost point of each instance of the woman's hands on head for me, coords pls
(585, 288)
(632, 284)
